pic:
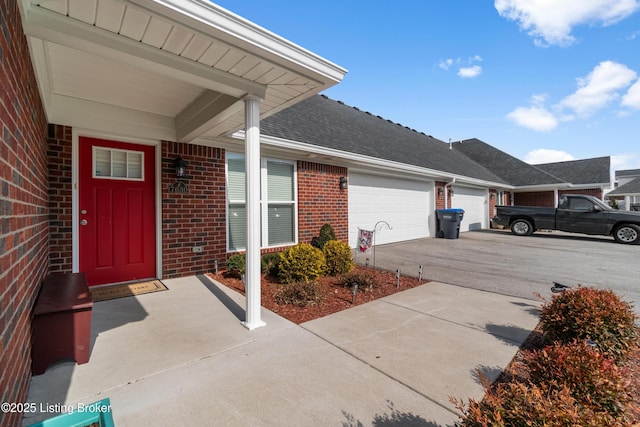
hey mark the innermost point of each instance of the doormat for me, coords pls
(126, 290)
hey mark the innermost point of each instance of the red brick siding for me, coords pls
(60, 204)
(23, 207)
(537, 198)
(196, 218)
(321, 201)
(439, 194)
(546, 199)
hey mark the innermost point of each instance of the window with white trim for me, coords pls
(277, 202)
(118, 164)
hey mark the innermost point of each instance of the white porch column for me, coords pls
(555, 198)
(252, 168)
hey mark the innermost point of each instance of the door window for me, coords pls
(118, 164)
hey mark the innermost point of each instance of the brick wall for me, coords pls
(321, 201)
(196, 218)
(439, 194)
(536, 198)
(545, 198)
(23, 207)
(60, 205)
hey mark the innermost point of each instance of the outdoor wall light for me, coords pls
(181, 167)
(451, 192)
(440, 191)
(343, 183)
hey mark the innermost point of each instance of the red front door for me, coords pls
(117, 211)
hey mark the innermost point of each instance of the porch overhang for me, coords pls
(162, 69)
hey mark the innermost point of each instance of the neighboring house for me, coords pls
(99, 106)
(543, 184)
(627, 191)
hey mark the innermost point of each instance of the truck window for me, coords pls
(578, 204)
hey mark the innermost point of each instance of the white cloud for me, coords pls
(544, 155)
(466, 67)
(632, 97)
(550, 22)
(445, 64)
(599, 88)
(470, 72)
(536, 117)
(625, 161)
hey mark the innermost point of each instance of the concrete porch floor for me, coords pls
(182, 357)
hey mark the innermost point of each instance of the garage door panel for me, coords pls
(475, 205)
(404, 204)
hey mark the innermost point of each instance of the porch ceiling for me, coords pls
(162, 69)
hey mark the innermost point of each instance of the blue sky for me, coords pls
(543, 80)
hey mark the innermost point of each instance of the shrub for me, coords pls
(300, 293)
(237, 263)
(593, 379)
(591, 314)
(338, 257)
(521, 404)
(326, 234)
(366, 281)
(301, 263)
(271, 264)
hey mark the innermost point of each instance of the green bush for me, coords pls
(338, 257)
(301, 263)
(300, 293)
(326, 234)
(271, 264)
(593, 379)
(585, 313)
(366, 281)
(237, 263)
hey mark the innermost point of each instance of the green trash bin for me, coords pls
(449, 222)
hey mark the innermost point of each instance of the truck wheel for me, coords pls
(521, 227)
(627, 233)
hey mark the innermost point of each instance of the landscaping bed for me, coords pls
(337, 297)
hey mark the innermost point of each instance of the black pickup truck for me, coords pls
(575, 214)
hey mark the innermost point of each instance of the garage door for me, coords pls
(474, 203)
(406, 205)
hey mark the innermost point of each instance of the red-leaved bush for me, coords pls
(598, 315)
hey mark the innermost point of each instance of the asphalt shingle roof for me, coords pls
(631, 187)
(326, 123)
(627, 172)
(510, 169)
(587, 171)
(331, 124)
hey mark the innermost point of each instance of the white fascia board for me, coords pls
(56, 28)
(41, 69)
(543, 187)
(203, 15)
(357, 161)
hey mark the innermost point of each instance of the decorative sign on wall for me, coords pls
(178, 187)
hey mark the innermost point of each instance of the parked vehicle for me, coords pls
(576, 214)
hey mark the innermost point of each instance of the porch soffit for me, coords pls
(169, 69)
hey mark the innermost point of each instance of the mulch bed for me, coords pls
(338, 297)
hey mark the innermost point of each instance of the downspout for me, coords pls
(446, 192)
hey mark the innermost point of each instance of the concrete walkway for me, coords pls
(181, 357)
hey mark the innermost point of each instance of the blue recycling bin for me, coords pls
(449, 222)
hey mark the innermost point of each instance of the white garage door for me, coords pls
(406, 205)
(474, 203)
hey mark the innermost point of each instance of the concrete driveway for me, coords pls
(498, 261)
